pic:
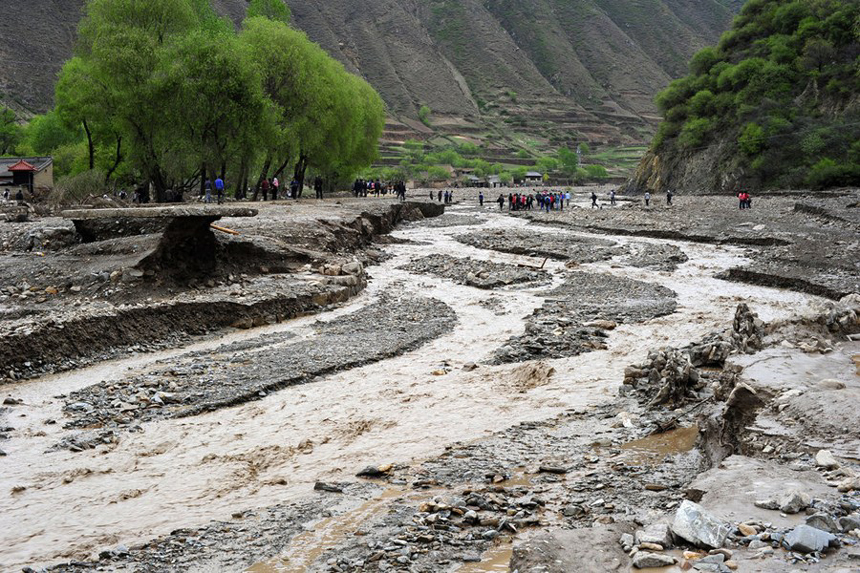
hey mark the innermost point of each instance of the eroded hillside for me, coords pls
(586, 68)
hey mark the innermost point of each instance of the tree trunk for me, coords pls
(299, 173)
(282, 167)
(90, 145)
(263, 174)
(117, 159)
(203, 176)
(243, 169)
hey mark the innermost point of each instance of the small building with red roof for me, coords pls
(29, 172)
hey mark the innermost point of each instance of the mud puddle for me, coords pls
(181, 473)
(654, 448)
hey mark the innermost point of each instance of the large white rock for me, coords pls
(824, 459)
(695, 524)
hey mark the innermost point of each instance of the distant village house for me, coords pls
(30, 173)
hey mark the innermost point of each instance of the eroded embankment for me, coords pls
(71, 339)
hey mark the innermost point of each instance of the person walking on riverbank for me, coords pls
(207, 188)
(669, 197)
(501, 201)
(481, 198)
(264, 189)
(594, 204)
(647, 198)
(219, 189)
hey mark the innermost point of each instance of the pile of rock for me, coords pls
(706, 536)
(459, 526)
(671, 375)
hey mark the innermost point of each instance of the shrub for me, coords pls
(74, 189)
(424, 115)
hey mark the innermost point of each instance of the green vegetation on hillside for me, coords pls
(168, 93)
(777, 97)
(434, 163)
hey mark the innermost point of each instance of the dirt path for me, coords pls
(175, 473)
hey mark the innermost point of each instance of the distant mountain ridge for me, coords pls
(587, 67)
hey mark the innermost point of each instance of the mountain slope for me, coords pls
(590, 67)
(776, 104)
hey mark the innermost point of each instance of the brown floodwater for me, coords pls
(653, 448)
(187, 472)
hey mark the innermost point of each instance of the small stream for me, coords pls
(185, 472)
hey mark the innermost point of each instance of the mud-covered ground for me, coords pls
(803, 240)
(617, 402)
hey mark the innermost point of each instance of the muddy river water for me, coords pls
(185, 472)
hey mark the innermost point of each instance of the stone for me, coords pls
(330, 487)
(644, 560)
(831, 384)
(2, 453)
(849, 522)
(848, 484)
(747, 530)
(824, 522)
(658, 533)
(731, 564)
(651, 546)
(806, 539)
(374, 471)
(353, 268)
(695, 524)
(824, 459)
(627, 541)
(602, 324)
(757, 544)
(794, 502)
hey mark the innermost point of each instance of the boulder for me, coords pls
(658, 533)
(645, 560)
(806, 539)
(695, 524)
(823, 522)
(794, 502)
(824, 459)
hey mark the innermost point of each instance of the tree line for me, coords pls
(167, 93)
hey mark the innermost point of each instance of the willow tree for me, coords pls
(120, 48)
(214, 102)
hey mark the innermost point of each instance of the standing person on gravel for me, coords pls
(647, 198)
(264, 188)
(276, 187)
(612, 197)
(669, 197)
(440, 195)
(318, 187)
(481, 198)
(501, 201)
(207, 187)
(594, 204)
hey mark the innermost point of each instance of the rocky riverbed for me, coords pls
(480, 274)
(668, 419)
